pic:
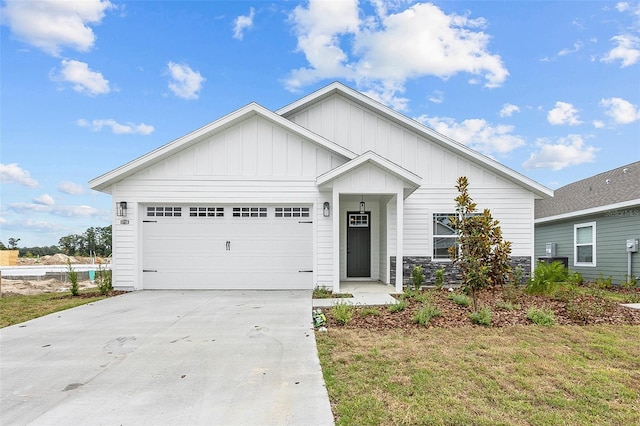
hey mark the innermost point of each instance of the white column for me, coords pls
(335, 211)
(399, 240)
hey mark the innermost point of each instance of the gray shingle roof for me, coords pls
(614, 186)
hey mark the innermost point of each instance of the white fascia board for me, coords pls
(371, 157)
(102, 182)
(586, 212)
(539, 190)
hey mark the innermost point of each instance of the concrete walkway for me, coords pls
(365, 293)
(167, 358)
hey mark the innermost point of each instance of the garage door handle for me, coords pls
(228, 245)
(306, 270)
(149, 270)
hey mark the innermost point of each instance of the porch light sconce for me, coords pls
(325, 209)
(121, 209)
(362, 205)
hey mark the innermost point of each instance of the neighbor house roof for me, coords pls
(354, 96)
(617, 188)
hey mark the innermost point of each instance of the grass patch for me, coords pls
(508, 376)
(481, 317)
(505, 305)
(20, 308)
(460, 299)
(342, 312)
(325, 293)
(397, 307)
(370, 311)
(541, 316)
(424, 314)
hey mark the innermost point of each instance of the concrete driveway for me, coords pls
(167, 358)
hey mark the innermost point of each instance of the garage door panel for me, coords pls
(262, 253)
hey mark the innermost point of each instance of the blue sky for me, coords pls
(550, 89)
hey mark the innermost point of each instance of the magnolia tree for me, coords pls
(480, 254)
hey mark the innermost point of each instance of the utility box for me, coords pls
(632, 245)
(550, 250)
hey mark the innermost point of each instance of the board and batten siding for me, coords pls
(613, 229)
(254, 162)
(360, 130)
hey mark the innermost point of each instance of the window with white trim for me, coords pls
(161, 211)
(249, 212)
(444, 235)
(358, 220)
(292, 211)
(206, 211)
(584, 244)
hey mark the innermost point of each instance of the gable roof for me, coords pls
(338, 88)
(412, 181)
(253, 109)
(615, 188)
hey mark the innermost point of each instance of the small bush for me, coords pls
(417, 277)
(342, 312)
(518, 275)
(400, 306)
(424, 314)
(370, 310)
(439, 281)
(541, 316)
(508, 306)
(322, 292)
(460, 299)
(512, 294)
(104, 280)
(481, 317)
(630, 283)
(575, 278)
(545, 276)
(603, 282)
(73, 279)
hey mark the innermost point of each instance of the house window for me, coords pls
(444, 236)
(155, 211)
(357, 220)
(206, 211)
(249, 212)
(292, 211)
(584, 247)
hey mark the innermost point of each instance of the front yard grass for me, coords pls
(15, 309)
(520, 375)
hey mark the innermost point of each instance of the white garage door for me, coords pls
(227, 247)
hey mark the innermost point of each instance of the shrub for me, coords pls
(104, 280)
(481, 317)
(460, 299)
(321, 292)
(342, 312)
(73, 279)
(424, 314)
(541, 316)
(397, 307)
(417, 277)
(370, 310)
(439, 281)
(630, 283)
(603, 282)
(545, 276)
(512, 294)
(518, 275)
(508, 306)
(575, 278)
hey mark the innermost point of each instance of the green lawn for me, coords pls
(524, 375)
(15, 309)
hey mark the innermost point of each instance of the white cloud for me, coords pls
(84, 80)
(70, 188)
(185, 83)
(45, 200)
(12, 173)
(627, 50)
(116, 128)
(476, 134)
(567, 51)
(29, 207)
(51, 25)
(508, 110)
(63, 211)
(563, 113)
(620, 110)
(598, 124)
(380, 53)
(569, 151)
(437, 97)
(243, 22)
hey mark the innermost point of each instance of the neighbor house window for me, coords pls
(584, 247)
(444, 236)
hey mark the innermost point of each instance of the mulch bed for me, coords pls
(574, 310)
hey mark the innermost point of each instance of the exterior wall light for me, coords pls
(362, 205)
(121, 209)
(325, 209)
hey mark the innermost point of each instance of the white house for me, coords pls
(331, 188)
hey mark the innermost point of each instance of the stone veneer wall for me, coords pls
(451, 273)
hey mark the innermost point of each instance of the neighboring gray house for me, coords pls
(592, 221)
(331, 188)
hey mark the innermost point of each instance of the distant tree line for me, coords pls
(95, 241)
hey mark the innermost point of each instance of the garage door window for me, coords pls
(292, 211)
(206, 211)
(154, 211)
(249, 212)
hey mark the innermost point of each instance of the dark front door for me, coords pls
(358, 244)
